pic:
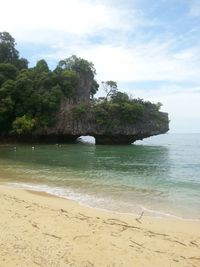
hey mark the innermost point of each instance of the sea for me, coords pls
(159, 176)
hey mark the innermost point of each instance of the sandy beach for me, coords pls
(37, 229)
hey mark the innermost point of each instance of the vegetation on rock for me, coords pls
(30, 98)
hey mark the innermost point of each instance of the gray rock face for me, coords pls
(68, 129)
(83, 92)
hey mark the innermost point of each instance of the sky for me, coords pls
(150, 48)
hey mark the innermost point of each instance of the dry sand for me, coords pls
(39, 230)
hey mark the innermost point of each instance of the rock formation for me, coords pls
(68, 128)
(39, 104)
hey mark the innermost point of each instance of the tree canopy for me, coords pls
(8, 52)
(30, 96)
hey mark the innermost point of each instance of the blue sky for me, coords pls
(151, 48)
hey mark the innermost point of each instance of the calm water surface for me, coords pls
(160, 175)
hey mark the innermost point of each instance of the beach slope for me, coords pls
(37, 229)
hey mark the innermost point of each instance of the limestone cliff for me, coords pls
(68, 127)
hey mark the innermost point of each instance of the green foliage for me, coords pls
(23, 125)
(22, 63)
(119, 97)
(6, 111)
(131, 112)
(103, 113)
(94, 89)
(6, 106)
(8, 52)
(110, 88)
(119, 110)
(7, 72)
(80, 110)
(68, 81)
(82, 69)
(78, 65)
(29, 97)
(41, 66)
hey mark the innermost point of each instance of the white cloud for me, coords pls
(152, 61)
(146, 62)
(66, 27)
(43, 21)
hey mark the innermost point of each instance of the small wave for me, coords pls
(92, 201)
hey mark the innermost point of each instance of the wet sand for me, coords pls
(37, 229)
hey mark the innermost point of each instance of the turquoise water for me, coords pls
(160, 175)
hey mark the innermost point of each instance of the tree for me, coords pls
(80, 65)
(110, 87)
(94, 88)
(158, 105)
(84, 71)
(23, 125)
(22, 63)
(6, 113)
(8, 53)
(7, 72)
(41, 66)
(6, 105)
(68, 81)
(119, 97)
(22, 94)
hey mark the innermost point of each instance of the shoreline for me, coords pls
(147, 212)
(45, 230)
(157, 214)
